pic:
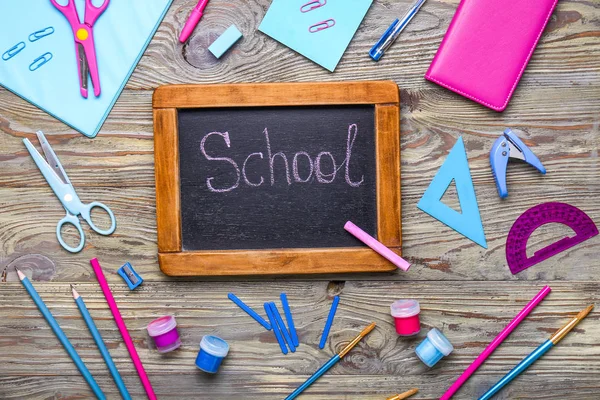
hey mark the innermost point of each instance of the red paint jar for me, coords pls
(406, 317)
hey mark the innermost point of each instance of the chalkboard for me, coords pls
(285, 177)
(261, 178)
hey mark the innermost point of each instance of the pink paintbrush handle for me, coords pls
(495, 343)
(377, 246)
(112, 304)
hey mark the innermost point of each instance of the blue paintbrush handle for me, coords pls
(63, 339)
(102, 347)
(314, 377)
(522, 366)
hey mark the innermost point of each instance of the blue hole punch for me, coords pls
(131, 277)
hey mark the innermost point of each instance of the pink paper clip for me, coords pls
(311, 5)
(328, 23)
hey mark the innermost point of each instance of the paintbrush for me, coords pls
(331, 362)
(404, 395)
(537, 353)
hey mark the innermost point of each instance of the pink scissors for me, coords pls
(85, 50)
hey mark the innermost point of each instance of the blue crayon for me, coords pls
(334, 305)
(288, 317)
(249, 311)
(282, 327)
(269, 312)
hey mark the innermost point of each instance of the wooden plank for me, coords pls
(469, 313)
(168, 199)
(273, 262)
(389, 208)
(275, 94)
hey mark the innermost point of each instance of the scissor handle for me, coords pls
(92, 12)
(68, 10)
(73, 220)
(86, 213)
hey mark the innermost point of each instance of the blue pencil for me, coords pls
(290, 320)
(61, 335)
(536, 354)
(269, 312)
(100, 343)
(249, 311)
(329, 322)
(282, 327)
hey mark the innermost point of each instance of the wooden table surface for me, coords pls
(464, 290)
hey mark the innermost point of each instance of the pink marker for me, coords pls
(192, 21)
(377, 246)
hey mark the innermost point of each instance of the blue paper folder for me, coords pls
(121, 34)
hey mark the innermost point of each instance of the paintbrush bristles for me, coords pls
(404, 395)
(75, 294)
(562, 332)
(20, 274)
(357, 339)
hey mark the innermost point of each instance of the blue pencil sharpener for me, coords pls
(131, 277)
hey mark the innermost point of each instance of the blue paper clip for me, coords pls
(131, 277)
(41, 60)
(319, 26)
(13, 51)
(41, 33)
(311, 5)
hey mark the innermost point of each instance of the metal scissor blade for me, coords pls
(83, 68)
(51, 158)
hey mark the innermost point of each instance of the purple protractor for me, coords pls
(545, 213)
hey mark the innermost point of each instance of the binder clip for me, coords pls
(510, 146)
(131, 277)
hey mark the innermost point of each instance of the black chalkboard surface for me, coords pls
(276, 177)
(260, 178)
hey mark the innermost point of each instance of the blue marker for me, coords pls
(392, 33)
(329, 322)
(278, 336)
(249, 311)
(282, 327)
(288, 317)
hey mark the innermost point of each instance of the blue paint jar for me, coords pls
(433, 348)
(212, 352)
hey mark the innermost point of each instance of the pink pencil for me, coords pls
(122, 328)
(496, 342)
(377, 246)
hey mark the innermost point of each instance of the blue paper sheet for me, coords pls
(286, 23)
(121, 34)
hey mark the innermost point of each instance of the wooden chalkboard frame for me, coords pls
(383, 95)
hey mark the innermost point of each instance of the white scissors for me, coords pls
(61, 185)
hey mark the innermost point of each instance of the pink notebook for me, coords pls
(488, 46)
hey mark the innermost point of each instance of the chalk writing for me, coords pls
(323, 167)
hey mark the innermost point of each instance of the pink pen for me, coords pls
(192, 21)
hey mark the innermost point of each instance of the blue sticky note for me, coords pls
(121, 35)
(286, 23)
(468, 221)
(225, 41)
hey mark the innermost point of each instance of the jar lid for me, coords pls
(162, 325)
(214, 346)
(405, 308)
(440, 342)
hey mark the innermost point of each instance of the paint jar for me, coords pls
(164, 332)
(433, 348)
(406, 317)
(212, 352)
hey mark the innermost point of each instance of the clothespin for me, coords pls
(510, 146)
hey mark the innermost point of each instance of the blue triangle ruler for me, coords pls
(468, 221)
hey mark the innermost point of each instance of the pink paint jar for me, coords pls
(406, 317)
(164, 332)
